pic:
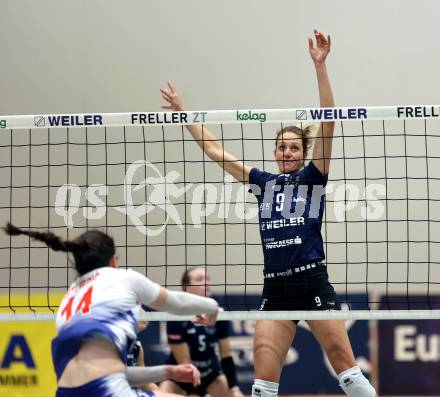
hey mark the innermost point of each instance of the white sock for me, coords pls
(355, 384)
(264, 388)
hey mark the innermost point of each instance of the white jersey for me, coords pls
(103, 303)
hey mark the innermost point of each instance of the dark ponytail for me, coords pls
(50, 239)
(91, 250)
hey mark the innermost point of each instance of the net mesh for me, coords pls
(170, 207)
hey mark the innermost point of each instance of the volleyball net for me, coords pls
(143, 179)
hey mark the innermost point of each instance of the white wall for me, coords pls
(113, 56)
(109, 56)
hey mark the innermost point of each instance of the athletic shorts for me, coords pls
(114, 385)
(209, 371)
(205, 381)
(306, 290)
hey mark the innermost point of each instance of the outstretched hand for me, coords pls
(206, 319)
(323, 45)
(172, 98)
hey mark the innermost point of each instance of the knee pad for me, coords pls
(264, 388)
(355, 384)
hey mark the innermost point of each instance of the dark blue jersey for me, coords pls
(201, 339)
(290, 210)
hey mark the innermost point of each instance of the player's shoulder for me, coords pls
(120, 278)
(259, 178)
(124, 273)
(257, 173)
(110, 275)
(311, 174)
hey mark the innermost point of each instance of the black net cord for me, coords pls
(185, 241)
(165, 206)
(407, 216)
(387, 231)
(428, 289)
(225, 295)
(10, 286)
(52, 309)
(366, 217)
(205, 231)
(68, 201)
(144, 145)
(345, 215)
(126, 199)
(29, 275)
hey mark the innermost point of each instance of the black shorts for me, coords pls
(207, 376)
(307, 290)
(202, 389)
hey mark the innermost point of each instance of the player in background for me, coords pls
(197, 343)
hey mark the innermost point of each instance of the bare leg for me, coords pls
(219, 387)
(164, 394)
(333, 338)
(167, 387)
(272, 341)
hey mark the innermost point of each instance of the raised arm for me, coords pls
(151, 294)
(137, 376)
(322, 148)
(150, 386)
(177, 302)
(207, 140)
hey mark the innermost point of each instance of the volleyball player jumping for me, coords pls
(295, 275)
(97, 321)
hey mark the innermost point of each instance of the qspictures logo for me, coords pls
(148, 193)
(2, 123)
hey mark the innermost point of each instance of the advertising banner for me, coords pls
(25, 359)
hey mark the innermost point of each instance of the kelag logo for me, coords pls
(2, 123)
(261, 117)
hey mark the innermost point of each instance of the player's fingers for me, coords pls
(196, 377)
(320, 38)
(165, 92)
(323, 39)
(317, 33)
(166, 99)
(310, 40)
(166, 107)
(201, 319)
(170, 85)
